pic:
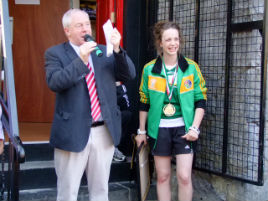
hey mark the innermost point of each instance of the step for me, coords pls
(38, 179)
(118, 191)
(38, 169)
(41, 174)
(34, 151)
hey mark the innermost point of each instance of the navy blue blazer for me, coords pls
(65, 75)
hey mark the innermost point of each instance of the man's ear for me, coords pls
(67, 31)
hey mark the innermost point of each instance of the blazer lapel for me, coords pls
(96, 63)
(97, 71)
(70, 51)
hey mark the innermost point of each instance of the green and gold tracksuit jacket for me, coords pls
(191, 91)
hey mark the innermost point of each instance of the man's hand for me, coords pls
(86, 49)
(141, 138)
(190, 136)
(115, 40)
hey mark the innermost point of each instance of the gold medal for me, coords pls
(169, 110)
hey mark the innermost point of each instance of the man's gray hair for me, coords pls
(67, 17)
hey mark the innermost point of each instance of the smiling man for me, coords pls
(87, 122)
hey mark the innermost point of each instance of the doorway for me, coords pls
(36, 28)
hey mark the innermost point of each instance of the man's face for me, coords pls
(80, 25)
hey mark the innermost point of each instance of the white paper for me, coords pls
(107, 29)
(31, 2)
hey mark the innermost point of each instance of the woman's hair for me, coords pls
(159, 28)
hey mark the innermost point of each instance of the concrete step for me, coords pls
(34, 151)
(41, 174)
(38, 169)
(38, 180)
(118, 191)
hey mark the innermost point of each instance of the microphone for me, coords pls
(88, 38)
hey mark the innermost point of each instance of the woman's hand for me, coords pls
(191, 136)
(141, 138)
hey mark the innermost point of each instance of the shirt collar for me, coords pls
(77, 50)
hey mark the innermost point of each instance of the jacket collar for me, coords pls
(73, 54)
(70, 51)
(183, 64)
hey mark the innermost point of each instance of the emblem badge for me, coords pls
(188, 84)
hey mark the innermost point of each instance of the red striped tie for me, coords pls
(94, 99)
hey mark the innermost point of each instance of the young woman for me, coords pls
(173, 99)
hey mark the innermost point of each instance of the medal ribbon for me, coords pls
(170, 91)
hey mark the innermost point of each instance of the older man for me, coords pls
(87, 122)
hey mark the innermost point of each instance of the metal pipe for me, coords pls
(226, 91)
(264, 64)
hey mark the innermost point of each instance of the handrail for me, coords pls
(15, 139)
(9, 105)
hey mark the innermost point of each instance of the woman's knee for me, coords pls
(163, 177)
(184, 178)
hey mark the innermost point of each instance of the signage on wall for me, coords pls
(29, 2)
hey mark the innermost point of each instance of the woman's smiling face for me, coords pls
(170, 42)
